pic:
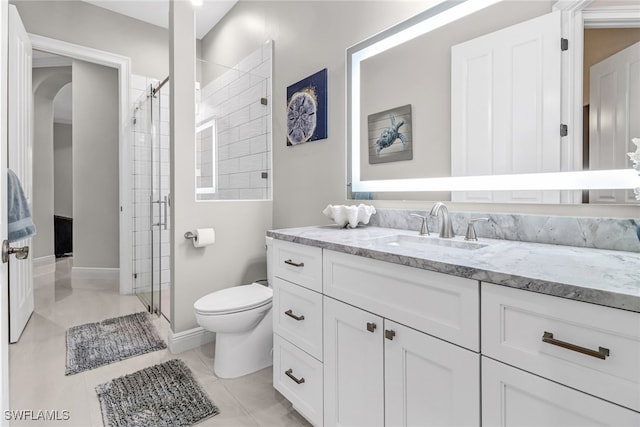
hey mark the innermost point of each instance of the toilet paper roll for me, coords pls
(204, 237)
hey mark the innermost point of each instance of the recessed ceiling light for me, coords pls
(197, 2)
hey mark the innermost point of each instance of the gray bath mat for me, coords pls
(162, 395)
(93, 345)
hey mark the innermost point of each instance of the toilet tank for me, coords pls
(269, 242)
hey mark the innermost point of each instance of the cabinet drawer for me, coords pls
(299, 264)
(298, 316)
(438, 304)
(512, 397)
(298, 377)
(514, 323)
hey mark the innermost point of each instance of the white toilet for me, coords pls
(242, 320)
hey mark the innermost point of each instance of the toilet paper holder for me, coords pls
(189, 235)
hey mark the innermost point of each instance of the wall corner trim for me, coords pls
(187, 340)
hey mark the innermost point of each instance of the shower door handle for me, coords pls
(162, 221)
(166, 207)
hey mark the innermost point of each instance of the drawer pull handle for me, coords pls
(289, 373)
(389, 334)
(371, 327)
(602, 352)
(290, 314)
(295, 264)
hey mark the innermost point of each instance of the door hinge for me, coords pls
(564, 44)
(564, 130)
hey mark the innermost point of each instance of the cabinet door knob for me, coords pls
(389, 334)
(295, 264)
(289, 373)
(290, 314)
(371, 327)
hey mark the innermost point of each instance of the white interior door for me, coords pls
(20, 160)
(4, 279)
(505, 104)
(614, 112)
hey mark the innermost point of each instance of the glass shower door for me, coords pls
(151, 199)
(160, 170)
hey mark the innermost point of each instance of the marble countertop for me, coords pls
(603, 277)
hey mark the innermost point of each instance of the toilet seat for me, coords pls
(234, 299)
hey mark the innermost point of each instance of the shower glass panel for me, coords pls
(151, 198)
(233, 130)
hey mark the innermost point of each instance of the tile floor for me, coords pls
(37, 361)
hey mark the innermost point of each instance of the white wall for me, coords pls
(63, 170)
(310, 176)
(95, 166)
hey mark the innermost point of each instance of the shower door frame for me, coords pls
(148, 265)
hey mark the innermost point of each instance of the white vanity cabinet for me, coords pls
(378, 371)
(297, 326)
(594, 350)
(353, 369)
(359, 341)
(513, 397)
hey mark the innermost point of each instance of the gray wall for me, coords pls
(238, 256)
(46, 84)
(95, 166)
(84, 24)
(88, 25)
(309, 36)
(63, 169)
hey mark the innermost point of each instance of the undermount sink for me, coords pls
(422, 242)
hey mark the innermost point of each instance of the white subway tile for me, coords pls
(240, 149)
(250, 163)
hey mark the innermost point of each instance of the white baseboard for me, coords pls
(95, 273)
(44, 265)
(193, 338)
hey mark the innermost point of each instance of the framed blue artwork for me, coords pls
(307, 109)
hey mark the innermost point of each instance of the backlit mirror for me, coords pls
(503, 119)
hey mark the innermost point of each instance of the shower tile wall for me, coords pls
(142, 168)
(243, 130)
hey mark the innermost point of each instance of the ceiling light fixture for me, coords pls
(197, 2)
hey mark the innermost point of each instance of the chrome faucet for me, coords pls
(424, 228)
(446, 231)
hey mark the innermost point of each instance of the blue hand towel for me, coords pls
(20, 224)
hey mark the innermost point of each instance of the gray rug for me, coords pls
(96, 344)
(161, 395)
